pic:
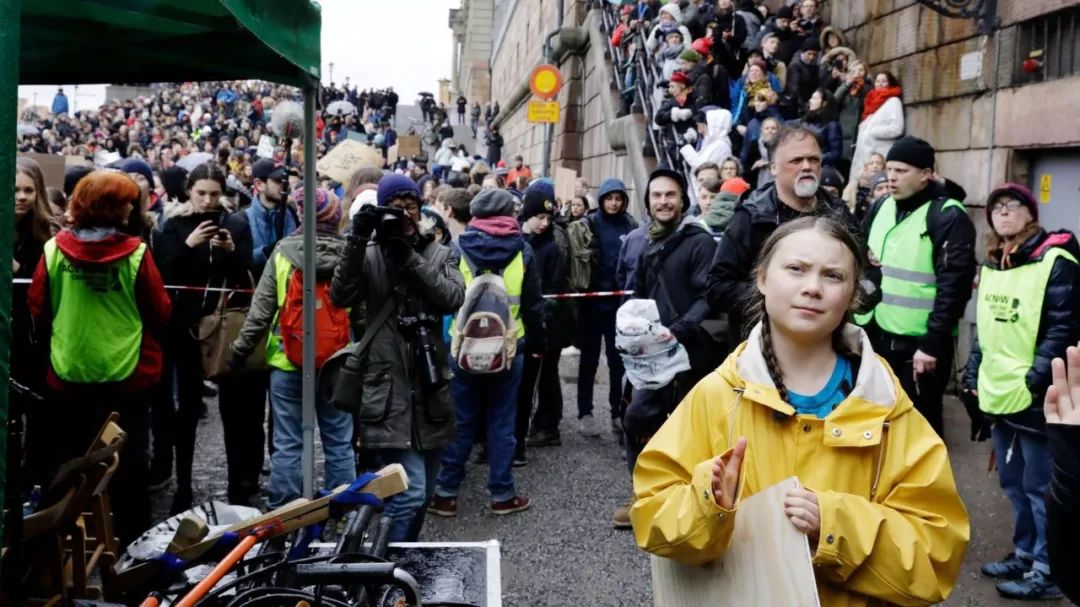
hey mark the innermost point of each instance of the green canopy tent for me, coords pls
(93, 41)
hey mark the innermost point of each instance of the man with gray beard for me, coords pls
(795, 192)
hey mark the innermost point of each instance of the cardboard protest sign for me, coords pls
(408, 146)
(341, 162)
(266, 147)
(768, 562)
(52, 168)
(564, 184)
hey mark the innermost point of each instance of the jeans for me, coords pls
(540, 380)
(1025, 477)
(598, 322)
(335, 430)
(406, 510)
(498, 392)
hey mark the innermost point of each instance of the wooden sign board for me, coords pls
(341, 162)
(77, 161)
(565, 182)
(408, 146)
(767, 564)
(52, 168)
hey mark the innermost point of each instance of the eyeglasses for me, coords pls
(1011, 206)
(410, 207)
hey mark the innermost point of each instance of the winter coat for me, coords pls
(445, 155)
(753, 132)
(607, 233)
(267, 227)
(802, 80)
(674, 271)
(953, 237)
(29, 355)
(741, 103)
(1062, 503)
(94, 248)
(893, 527)
(1059, 321)
(202, 266)
(262, 316)
(630, 257)
(829, 135)
(656, 37)
(702, 83)
(851, 107)
(754, 221)
(716, 147)
(663, 115)
(396, 411)
(753, 22)
(550, 252)
(877, 134)
(494, 148)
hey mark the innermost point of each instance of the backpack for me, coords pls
(331, 322)
(485, 336)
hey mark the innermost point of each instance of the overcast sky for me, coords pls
(405, 44)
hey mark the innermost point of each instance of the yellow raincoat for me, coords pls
(893, 528)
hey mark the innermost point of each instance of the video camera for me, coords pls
(391, 224)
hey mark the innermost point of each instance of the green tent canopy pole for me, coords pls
(307, 456)
(9, 87)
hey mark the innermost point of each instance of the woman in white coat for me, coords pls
(882, 121)
(716, 147)
(667, 22)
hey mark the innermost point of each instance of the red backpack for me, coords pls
(331, 322)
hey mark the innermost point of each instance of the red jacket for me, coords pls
(150, 297)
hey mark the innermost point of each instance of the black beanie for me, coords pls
(535, 203)
(811, 44)
(913, 151)
(785, 12)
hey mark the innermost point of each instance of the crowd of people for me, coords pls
(818, 314)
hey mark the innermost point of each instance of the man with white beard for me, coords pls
(796, 191)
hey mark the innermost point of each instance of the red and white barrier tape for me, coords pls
(26, 281)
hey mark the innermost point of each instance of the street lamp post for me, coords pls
(331, 72)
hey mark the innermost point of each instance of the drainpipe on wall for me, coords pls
(549, 129)
(996, 34)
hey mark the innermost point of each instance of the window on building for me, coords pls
(1048, 47)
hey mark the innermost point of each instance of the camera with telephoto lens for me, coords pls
(418, 329)
(391, 224)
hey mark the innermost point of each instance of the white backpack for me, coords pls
(485, 333)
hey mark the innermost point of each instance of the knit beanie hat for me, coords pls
(135, 165)
(878, 179)
(785, 12)
(492, 203)
(702, 45)
(327, 209)
(831, 177)
(735, 185)
(395, 186)
(73, 174)
(536, 203)
(544, 186)
(811, 44)
(913, 151)
(1017, 191)
(690, 55)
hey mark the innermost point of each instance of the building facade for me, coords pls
(472, 27)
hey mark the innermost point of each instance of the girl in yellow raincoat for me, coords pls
(805, 395)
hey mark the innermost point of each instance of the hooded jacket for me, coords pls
(716, 146)
(877, 134)
(753, 222)
(105, 247)
(396, 411)
(893, 527)
(1059, 321)
(494, 252)
(445, 155)
(609, 230)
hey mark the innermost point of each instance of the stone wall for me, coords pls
(948, 73)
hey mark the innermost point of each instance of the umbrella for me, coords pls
(194, 159)
(226, 97)
(27, 129)
(424, 94)
(339, 108)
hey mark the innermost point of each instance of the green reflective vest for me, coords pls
(96, 326)
(1009, 310)
(514, 277)
(275, 349)
(908, 281)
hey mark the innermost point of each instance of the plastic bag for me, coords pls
(650, 353)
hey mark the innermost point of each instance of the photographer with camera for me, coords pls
(408, 282)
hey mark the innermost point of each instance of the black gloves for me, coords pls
(397, 251)
(980, 425)
(237, 361)
(365, 222)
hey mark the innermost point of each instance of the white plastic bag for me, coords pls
(650, 353)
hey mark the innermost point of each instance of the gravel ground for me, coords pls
(563, 551)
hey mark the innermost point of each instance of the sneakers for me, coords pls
(520, 460)
(621, 518)
(1011, 567)
(588, 426)
(1033, 586)
(543, 438)
(518, 503)
(443, 506)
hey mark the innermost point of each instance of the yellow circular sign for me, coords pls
(545, 81)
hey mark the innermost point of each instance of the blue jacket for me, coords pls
(829, 135)
(490, 252)
(265, 230)
(738, 96)
(630, 255)
(60, 104)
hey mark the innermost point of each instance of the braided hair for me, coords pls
(755, 303)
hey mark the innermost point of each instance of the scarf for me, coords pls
(753, 88)
(856, 87)
(672, 52)
(500, 225)
(658, 230)
(877, 98)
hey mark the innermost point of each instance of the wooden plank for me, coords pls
(767, 564)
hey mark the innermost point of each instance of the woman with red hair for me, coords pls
(99, 293)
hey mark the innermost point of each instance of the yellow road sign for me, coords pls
(1045, 184)
(544, 112)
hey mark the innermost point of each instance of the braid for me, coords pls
(770, 357)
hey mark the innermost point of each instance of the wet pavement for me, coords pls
(564, 551)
